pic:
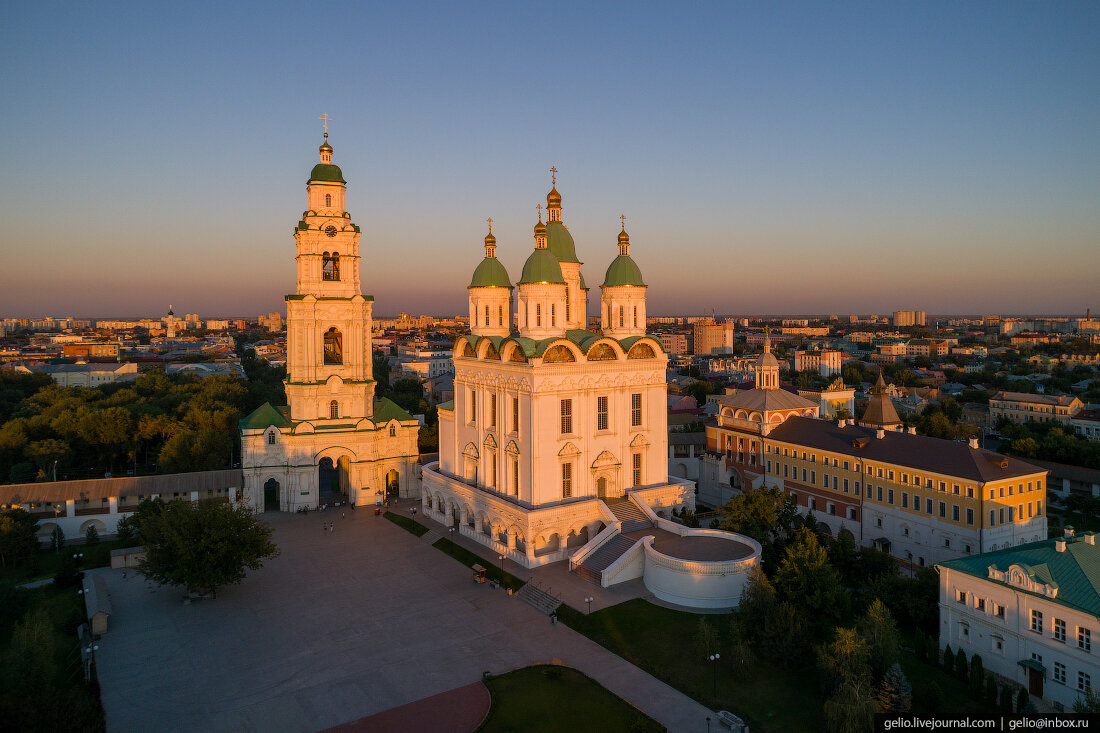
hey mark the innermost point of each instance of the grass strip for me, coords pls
(469, 559)
(407, 524)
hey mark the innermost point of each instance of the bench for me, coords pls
(732, 722)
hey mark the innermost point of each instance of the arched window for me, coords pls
(271, 438)
(334, 409)
(328, 200)
(393, 431)
(334, 347)
(330, 266)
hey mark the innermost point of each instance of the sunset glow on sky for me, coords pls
(796, 158)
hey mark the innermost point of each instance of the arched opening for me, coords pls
(601, 487)
(333, 409)
(334, 347)
(332, 480)
(393, 483)
(330, 266)
(271, 495)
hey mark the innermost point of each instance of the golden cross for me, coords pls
(622, 218)
(554, 176)
(539, 207)
(490, 220)
(325, 119)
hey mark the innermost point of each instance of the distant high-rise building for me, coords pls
(710, 337)
(909, 318)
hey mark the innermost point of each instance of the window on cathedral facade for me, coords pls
(334, 347)
(538, 315)
(330, 266)
(492, 410)
(493, 470)
(635, 316)
(515, 476)
(334, 409)
(271, 438)
(486, 315)
(473, 408)
(566, 416)
(393, 431)
(601, 413)
(637, 469)
(500, 315)
(328, 200)
(620, 316)
(567, 305)
(515, 414)
(553, 314)
(635, 409)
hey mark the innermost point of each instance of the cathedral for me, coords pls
(554, 428)
(333, 441)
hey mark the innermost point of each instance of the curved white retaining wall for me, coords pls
(697, 584)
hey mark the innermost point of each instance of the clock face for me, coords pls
(330, 230)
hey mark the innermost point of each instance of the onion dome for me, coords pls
(553, 199)
(623, 270)
(490, 273)
(541, 267)
(767, 359)
(325, 171)
(560, 242)
(540, 229)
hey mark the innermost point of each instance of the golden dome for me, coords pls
(553, 199)
(624, 238)
(490, 239)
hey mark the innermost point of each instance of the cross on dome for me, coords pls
(325, 119)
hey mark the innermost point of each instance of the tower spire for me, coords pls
(553, 199)
(326, 149)
(624, 239)
(490, 240)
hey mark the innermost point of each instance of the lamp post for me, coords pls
(589, 600)
(714, 658)
(501, 557)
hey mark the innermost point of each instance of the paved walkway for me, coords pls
(456, 711)
(341, 626)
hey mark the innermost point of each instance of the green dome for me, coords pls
(327, 172)
(490, 274)
(560, 242)
(541, 267)
(623, 271)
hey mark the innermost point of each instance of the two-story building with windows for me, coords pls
(1020, 407)
(1031, 612)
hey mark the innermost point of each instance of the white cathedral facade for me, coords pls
(333, 441)
(552, 423)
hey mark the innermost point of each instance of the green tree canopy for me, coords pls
(202, 545)
(806, 579)
(17, 536)
(759, 513)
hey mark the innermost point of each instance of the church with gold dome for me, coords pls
(555, 430)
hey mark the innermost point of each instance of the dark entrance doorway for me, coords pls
(332, 481)
(271, 495)
(393, 484)
(1034, 682)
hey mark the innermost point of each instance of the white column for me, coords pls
(112, 504)
(70, 507)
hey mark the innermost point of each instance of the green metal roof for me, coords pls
(623, 271)
(448, 405)
(1032, 664)
(541, 267)
(327, 172)
(1075, 572)
(490, 273)
(560, 242)
(264, 416)
(386, 409)
(581, 276)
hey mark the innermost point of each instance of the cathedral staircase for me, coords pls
(592, 567)
(539, 599)
(629, 514)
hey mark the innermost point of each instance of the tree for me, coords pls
(202, 545)
(878, 628)
(990, 691)
(757, 603)
(758, 513)
(17, 536)
(845, 659)
(1022, 699)
(1089, 702)
(949, 660)
(895, 694)
(1006, 700)
(933, 697)
(57, 539)
(740, 649)
(785, 635)
(806, 579)
(960, 664)
(851, 709)
(977, 674)
(920, 646)
(707, 638)
(91, 537)
(127, 529)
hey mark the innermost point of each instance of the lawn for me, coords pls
(407, 524)
(550, 699)
(664, 643)
(45, 563)
(469, 559)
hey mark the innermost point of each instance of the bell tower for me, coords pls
(329, 361)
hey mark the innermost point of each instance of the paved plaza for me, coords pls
(340, 626)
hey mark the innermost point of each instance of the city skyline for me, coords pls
(854, 159)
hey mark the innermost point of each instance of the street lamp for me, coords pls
(589, 600)
(501, 558)
(714, 658)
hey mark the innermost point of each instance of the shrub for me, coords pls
(933, 698)
(57, 539)
(1021, 700)
(960, 665)
(948, 660)
(91, 537)
(920, 646)
(1006, 700)
(933, 651)
(990, 691)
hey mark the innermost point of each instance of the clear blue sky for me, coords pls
(769, 157)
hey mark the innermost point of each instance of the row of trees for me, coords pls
(1048, 442)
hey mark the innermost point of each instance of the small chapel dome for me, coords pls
(767, 360)
(553, 199)
(540, 229)
(623, 270)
